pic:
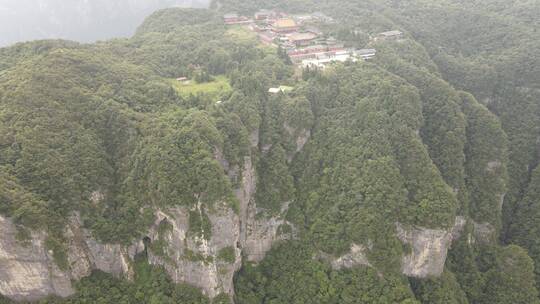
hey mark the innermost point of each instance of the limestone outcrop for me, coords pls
(27, 269)
(192, 259)
(86, 254)
(355, 257)
(300, 136)
(428, 248)
(258, 234)
(29, 272)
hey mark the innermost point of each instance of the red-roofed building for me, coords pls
(285, 25)
(230, 19)
(302, 39)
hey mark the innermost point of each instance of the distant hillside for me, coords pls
(80, 20)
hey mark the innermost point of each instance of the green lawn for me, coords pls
(216, 88)
(242, 34)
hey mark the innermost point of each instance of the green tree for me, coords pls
(512, 278)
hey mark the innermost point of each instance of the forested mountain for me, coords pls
(409, 178)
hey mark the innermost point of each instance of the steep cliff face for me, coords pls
(195, 260)
(198, 261)
(301, 137)
(28, 269)
(86, 254)
(29, 272)
(261, 234)
(429, 248)
(357, 256)
(208, 263)
(259, 229)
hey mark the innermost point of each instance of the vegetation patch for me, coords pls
(227, 255)
(216, 87)
(241, 34)
(193, 256)
(59, 252)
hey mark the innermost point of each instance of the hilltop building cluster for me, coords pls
(301, 39)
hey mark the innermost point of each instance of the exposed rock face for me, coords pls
(86, 254)
(493, 166)
(28, 272)
(261, 234)
(32, 274)
(459, 225)
(501, 200)
(245, 194)
(354, 258)
(266, 148)
(429, 248)
(232, 171)
(301, 137)
(257, 235)
(195, 260)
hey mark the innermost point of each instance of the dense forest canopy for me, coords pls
(441, 125)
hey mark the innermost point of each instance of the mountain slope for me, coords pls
(384, 181)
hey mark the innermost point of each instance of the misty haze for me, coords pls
(79, 20)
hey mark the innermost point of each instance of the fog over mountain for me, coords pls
(80, 20)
